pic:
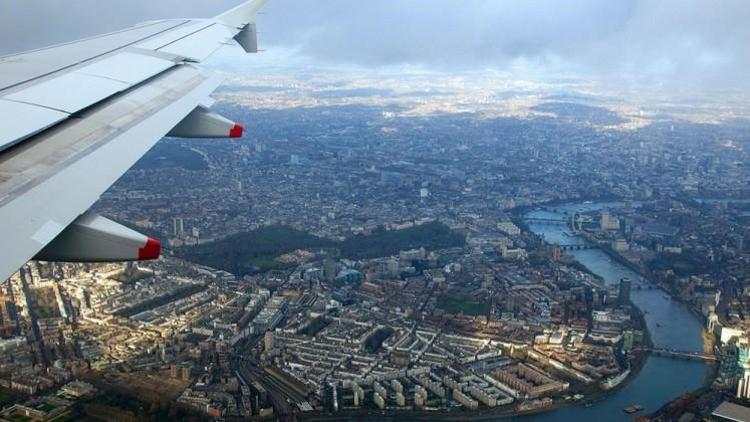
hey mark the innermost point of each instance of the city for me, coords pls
(394, 239)
(360, 260)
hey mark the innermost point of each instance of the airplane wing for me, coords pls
(75, 117)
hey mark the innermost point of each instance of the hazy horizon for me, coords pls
(687, 46)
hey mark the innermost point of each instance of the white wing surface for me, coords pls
(75, 117)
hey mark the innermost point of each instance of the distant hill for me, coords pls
(256, 251)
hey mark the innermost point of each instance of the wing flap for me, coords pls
(199, 45)
(127, 67)
(69, 93)
(26, 67)
(52, 101)
(78, 161)
(23, 120)
(167, 38)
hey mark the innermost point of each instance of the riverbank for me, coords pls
(670, 325)
(708, 340)
(524, 226)
(653, 380)
(593, 393)
(664, 412)
(524, 209)
(618, 257)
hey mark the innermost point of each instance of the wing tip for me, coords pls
(243, 14)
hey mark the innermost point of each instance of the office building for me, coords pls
(623, 298)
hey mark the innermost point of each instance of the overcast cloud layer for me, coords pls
(693, 42)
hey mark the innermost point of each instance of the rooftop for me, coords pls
(732, 412)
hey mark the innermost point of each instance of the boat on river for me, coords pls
(633, 409)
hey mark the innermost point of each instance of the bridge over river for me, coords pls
(573, 224)
(541, 220)
(679, 354)
(577, 247)
(660, 379)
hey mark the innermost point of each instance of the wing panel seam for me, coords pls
(121, 47)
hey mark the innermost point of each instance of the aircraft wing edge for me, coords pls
(34, 219)
(243, 14)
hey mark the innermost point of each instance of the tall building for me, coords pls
(329, 396)
(330, 269)
(349, 276)
(392, 267)
(174, 371)
(730, 362)
(269, 341)
(743, 362)
(509, 228)
(186, 371)
(178, 226)
(743, 386)
(623, 298)
(609, 221)
(556, 252)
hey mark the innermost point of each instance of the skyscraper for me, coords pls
(330, 269)
(178, 226)
(743, 363)
(623, 298)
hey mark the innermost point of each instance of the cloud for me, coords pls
(442, 32)
(695, 43)
(701, 43)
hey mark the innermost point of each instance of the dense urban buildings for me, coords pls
(374, 249)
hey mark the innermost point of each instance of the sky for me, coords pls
(700, 44)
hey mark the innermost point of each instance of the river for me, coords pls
(670, 323)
